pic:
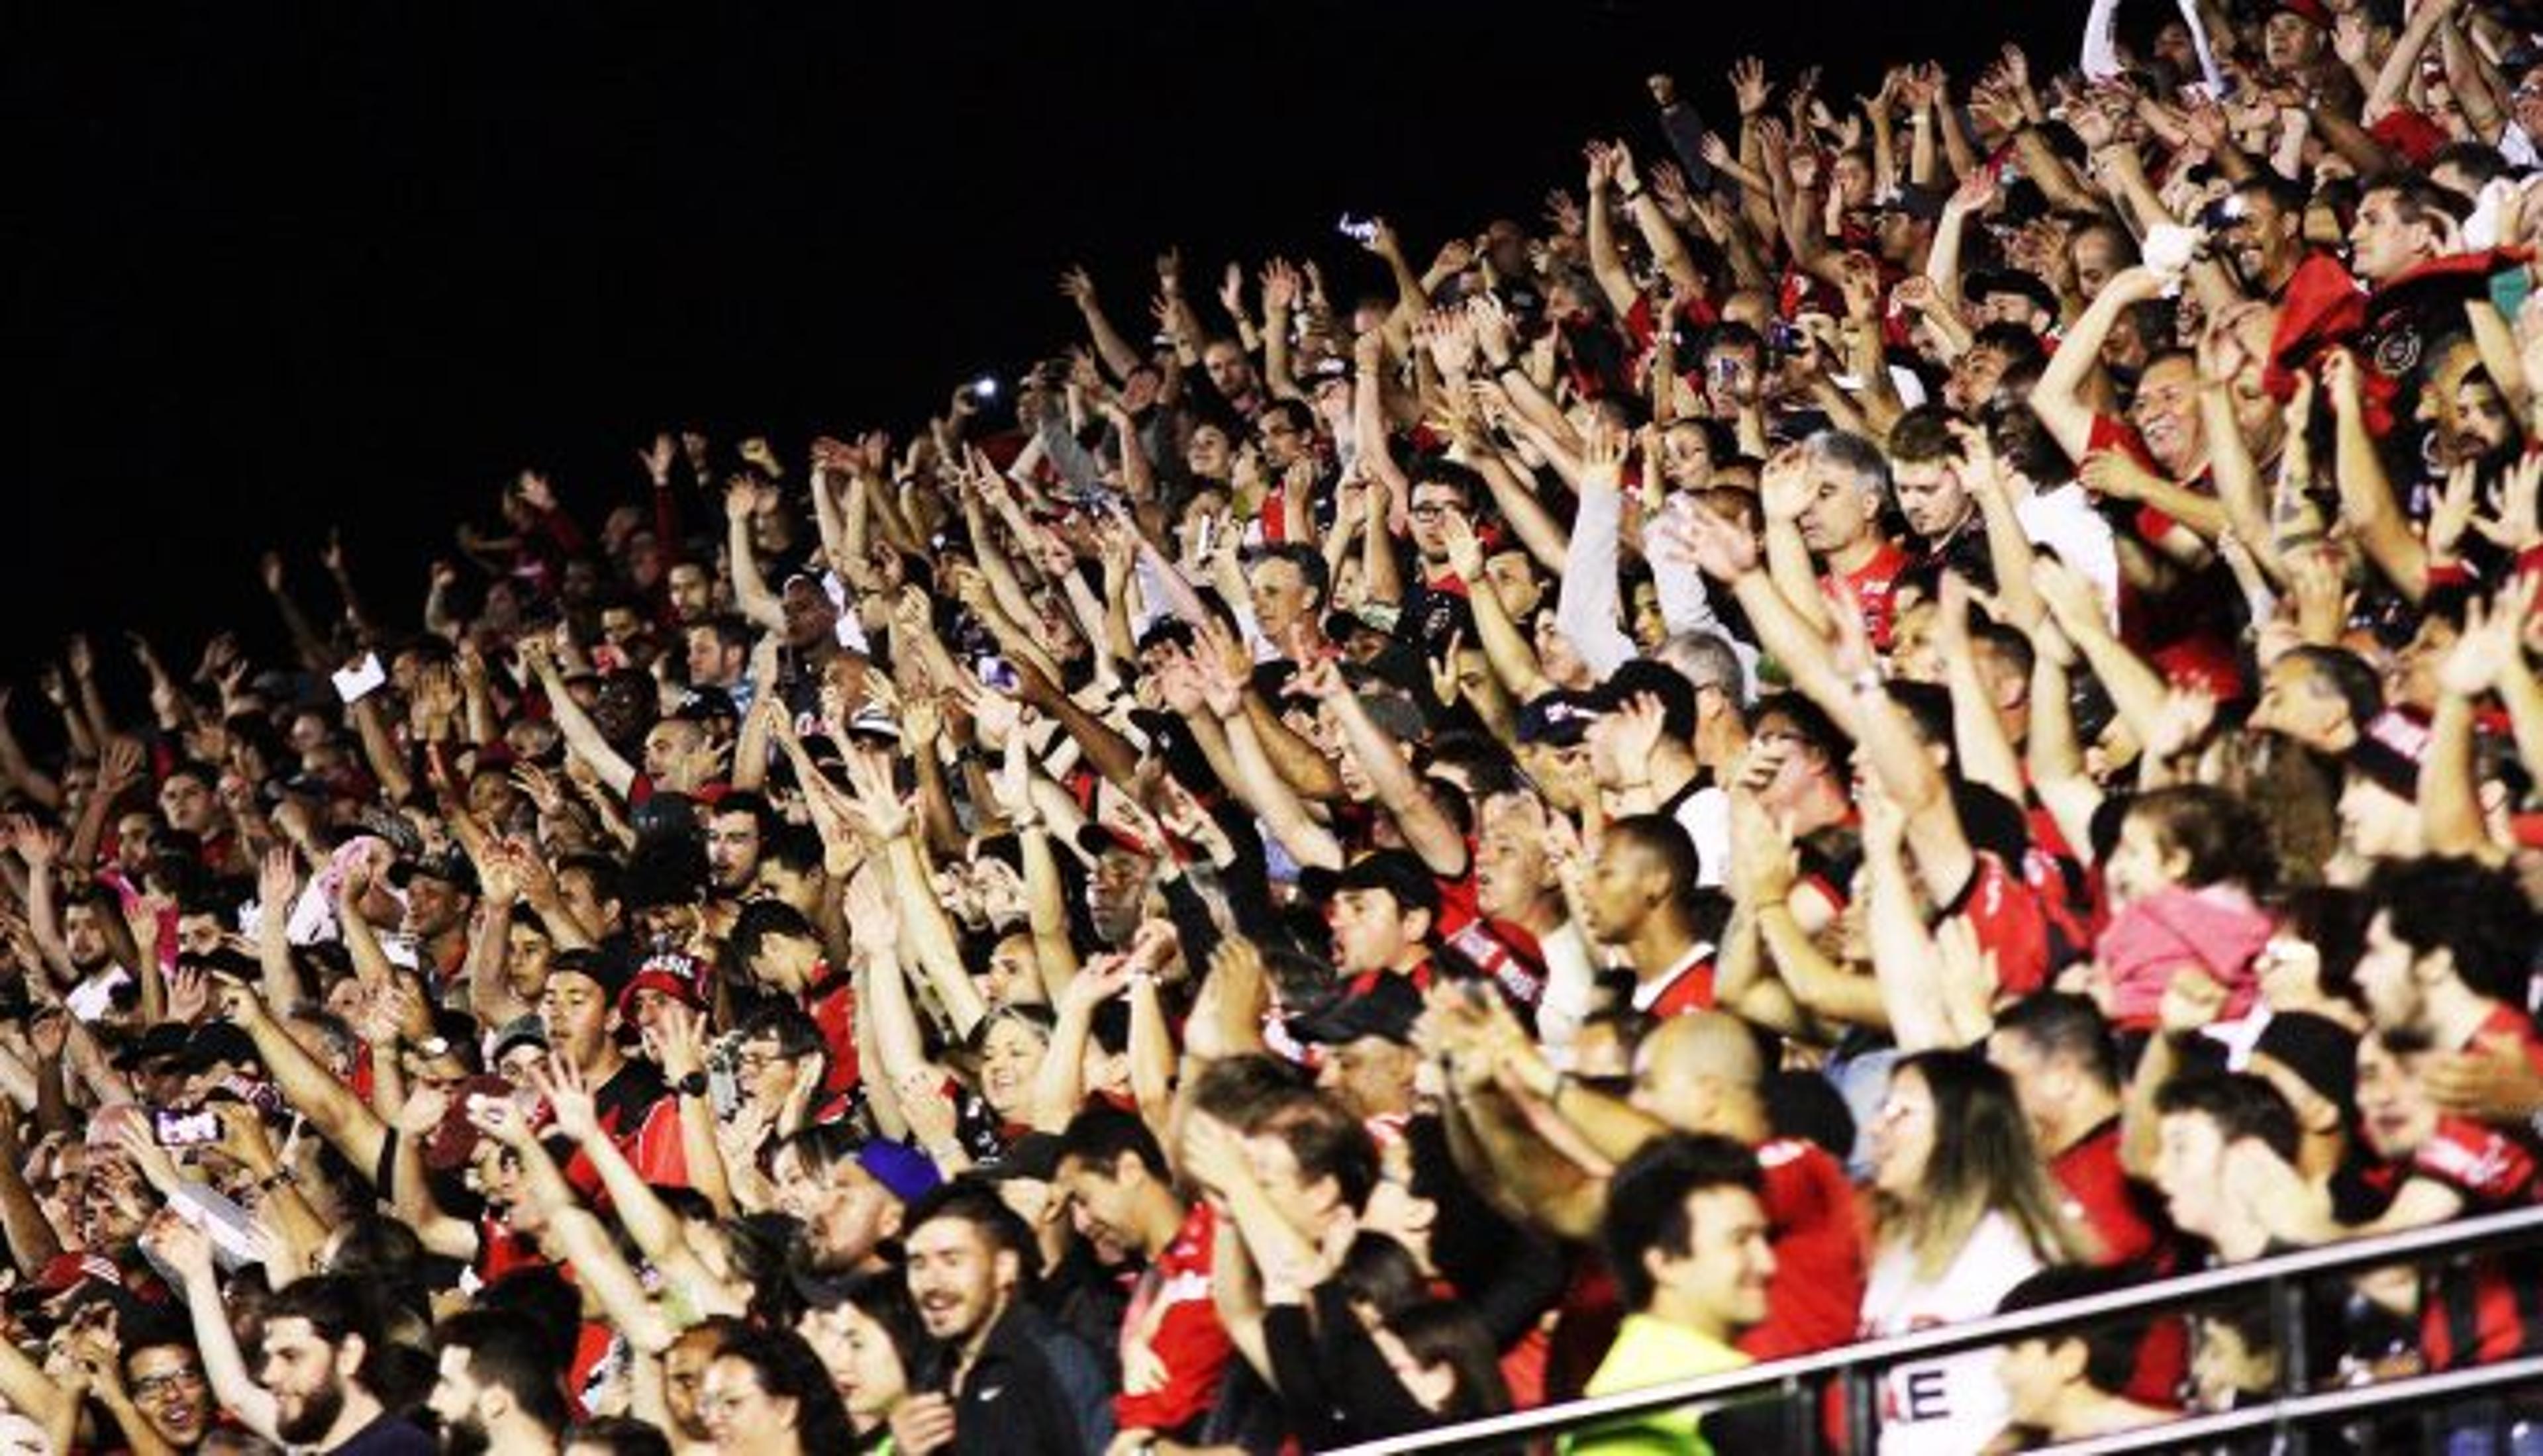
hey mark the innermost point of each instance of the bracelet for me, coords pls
(272, 1181)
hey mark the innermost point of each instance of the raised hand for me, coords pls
(2518, 526)
(1748, 85)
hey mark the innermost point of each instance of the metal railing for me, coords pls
(1859, 1367)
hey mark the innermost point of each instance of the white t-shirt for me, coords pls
(1953, 1405)
(2062, 518)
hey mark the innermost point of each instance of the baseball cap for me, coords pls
(450, 867)
(1386, 1009)
(674, 974)
(601, 969)
(905, 1172)
(1034, 1157)
(1560, 719)
(1986, 282)
(1398, 872)
(706, 705)
(521, 1031)
(1923, 203)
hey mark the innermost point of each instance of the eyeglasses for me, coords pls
(752, 1063)
(151, 1387)
(1431, 510)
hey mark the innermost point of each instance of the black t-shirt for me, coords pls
(389, 1435)
(623, 1101)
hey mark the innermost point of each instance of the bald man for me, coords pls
(1643, 897)
(1703, 1072)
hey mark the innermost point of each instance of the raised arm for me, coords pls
(581, 735)
(2060, 397)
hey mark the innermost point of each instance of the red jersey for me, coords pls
(2005, 911)
(2127, 1228)
(1684, 987)
(831, 1002)
(1173, 1317)
(1814, 1298)
(2099, 1196)
(2490, 1307)
(1875, 584)
(2185, 633)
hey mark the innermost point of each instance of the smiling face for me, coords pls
(958, 1280)
(1011, 1056)
(2166, 414)
(167, 1383)
(307, 1377)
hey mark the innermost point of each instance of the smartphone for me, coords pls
(1360, 230)
(186, 1127)
(997, 672)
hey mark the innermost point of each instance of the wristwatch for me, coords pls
(692, 1085)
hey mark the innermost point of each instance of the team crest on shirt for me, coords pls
(2398, 352)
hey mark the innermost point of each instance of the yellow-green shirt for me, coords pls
(1649, 1353)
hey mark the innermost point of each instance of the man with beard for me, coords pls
(1019, 1385)
(441, 891)
(496, 1391)
(737, 833)
(849, 1194)
(319, 1339)
(2264, 234)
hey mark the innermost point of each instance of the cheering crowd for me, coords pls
(1912, 704)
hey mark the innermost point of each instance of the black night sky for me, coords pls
(277, 267)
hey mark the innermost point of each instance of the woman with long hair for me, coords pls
(869, 1336)
(1966, 1211)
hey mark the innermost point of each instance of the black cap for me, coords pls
(604, 970)
(1034, 1157)
(1398, 872)
(1924, 203)
(1386, 1009)
(664, 815)
(1560, 719)
(706, 705)
(450, 867)
(1991, 281)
